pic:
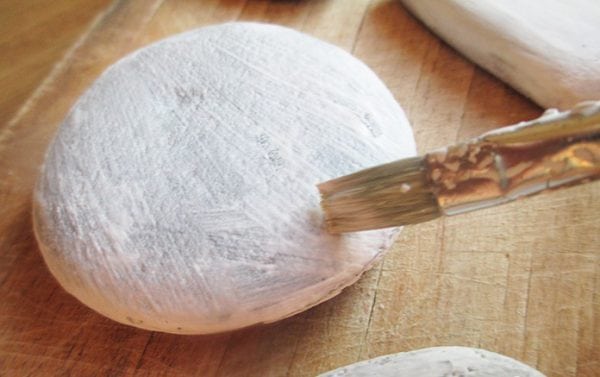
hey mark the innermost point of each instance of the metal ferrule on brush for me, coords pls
(556, 150)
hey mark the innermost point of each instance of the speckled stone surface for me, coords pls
(179, 193)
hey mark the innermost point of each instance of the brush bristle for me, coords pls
(384, 196)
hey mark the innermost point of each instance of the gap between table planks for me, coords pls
(522, 279)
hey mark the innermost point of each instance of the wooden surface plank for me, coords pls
(33, 36)
(522, 279)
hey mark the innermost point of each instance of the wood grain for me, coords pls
(33, 36)
(522, 280)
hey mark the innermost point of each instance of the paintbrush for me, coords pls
(557, 150)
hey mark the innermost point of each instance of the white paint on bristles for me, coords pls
(179, 193)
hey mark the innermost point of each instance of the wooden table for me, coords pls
(33, 36)
(522, 280)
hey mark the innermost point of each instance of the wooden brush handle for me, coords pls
(558, 149)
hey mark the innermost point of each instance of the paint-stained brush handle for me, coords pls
(553, 151)
(556, 150)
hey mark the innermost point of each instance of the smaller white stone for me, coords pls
(438, 362)
(548, 50)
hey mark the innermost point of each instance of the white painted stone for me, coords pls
(548, 50)
(179, 193)
(438, 362)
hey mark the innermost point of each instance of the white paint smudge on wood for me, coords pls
(179, 194)
(548, 50)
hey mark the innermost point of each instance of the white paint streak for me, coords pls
(179, 194)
